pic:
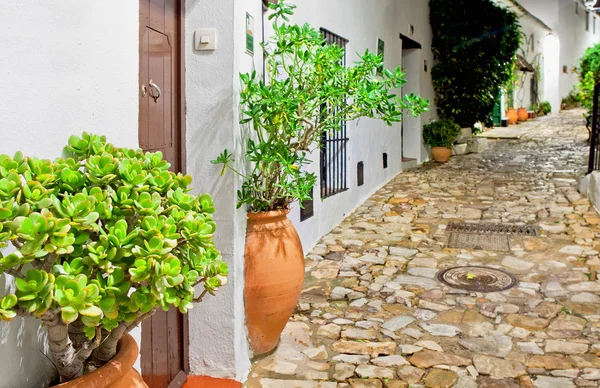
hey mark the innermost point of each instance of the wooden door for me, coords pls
(164, 337)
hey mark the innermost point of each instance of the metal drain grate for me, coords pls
(487, 242)
(464, 227)
(475, 278)
(489, 237)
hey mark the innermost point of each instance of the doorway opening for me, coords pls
(411, 126)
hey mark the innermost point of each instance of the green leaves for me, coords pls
(6, 305)
(440, 133)
(107, 235)
(306, 93)
(475, 43)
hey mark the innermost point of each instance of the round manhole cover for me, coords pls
(482, 279)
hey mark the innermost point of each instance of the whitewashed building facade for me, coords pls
(85, 73)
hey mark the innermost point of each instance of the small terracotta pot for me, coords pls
(117, 373)
(512, 116)
(522, 114)
(441, 154)
(274, 273)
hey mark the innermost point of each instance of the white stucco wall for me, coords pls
(362, 23)
(218, 344)
(66, 67)
(569, 28)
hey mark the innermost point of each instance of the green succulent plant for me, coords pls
(102, 239)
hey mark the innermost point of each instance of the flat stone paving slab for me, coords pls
(373, 314)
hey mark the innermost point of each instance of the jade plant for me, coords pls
(307, 92)
(101, 239)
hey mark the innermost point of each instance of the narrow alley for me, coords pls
(373, 312)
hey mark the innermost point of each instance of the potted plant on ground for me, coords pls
(101, 240)
(512, 115)
(440, 135)
(307, 93)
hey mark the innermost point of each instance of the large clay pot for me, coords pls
(512, 116)
(117, 373)
(274, 273)
(522, 114)
(441, 154)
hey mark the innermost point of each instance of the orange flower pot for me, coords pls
(117, 373)
(274, 273)
(441, 154)
(522, 114)
(512, 116)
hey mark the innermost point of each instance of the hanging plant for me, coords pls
(474, 42)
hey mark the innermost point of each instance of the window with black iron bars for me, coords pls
(333, 143)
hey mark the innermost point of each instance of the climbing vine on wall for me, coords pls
(474, 42)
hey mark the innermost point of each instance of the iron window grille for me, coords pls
(333, 143)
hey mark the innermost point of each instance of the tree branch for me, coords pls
(199, 299)
(16, 272)
(61, 346)
(88, 347)
(139, 320)
(76, 334)
(17, 244)
(49, 262)
(108, 348)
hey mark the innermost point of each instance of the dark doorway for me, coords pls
(411, 126)
(164, 336)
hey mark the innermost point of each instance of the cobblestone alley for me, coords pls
(374, 314)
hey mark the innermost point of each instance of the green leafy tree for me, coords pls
(474, 42)
(102, 239)
(589, 75)
(308, 92)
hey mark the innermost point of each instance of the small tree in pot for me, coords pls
(440, 135)
(307, 93)
(101, 240)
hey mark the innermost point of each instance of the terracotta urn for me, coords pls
(522, 114)
(512, 116)
(117, 373)
(441, 154)
(274, 273)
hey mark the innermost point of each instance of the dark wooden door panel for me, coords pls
(160, 124)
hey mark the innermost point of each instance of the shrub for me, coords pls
(586, 91)
(308, 92)
(441, 133)
(589, 75)
(475, 43)
(102, 239)
(545, 108)
(572, 100)
(590, 62)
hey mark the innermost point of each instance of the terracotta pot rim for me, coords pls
(268, 214)
(112, 371)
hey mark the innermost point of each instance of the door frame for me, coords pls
(179, 113)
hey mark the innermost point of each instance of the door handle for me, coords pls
(151, 90)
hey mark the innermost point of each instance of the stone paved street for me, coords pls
(373, 314)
